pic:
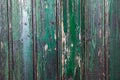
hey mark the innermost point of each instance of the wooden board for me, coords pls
(21, 37)
(72, 47)
(3, 41)
(46, 39)
(95, 40)
(114, 40)
(59, 40)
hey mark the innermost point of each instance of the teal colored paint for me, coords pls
(114, 40)
(27, 41)
(84, 41)
(65, 15)
(3, 41)
(16, 37)
(46, 38)
(71, 63)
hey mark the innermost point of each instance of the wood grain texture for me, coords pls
(21, 22)
(17, 71)
(71, 40)
(46, 39)
(59, 40)
(114, 42)
(95, 39)
(3, 41)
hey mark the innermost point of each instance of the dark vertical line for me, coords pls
(85, 46)
(10, 41)
(105, 54)
(34, 29)
(108, 45)
(1, 39)
(83, 37)
(57, 25)
(104, 44)
(60, 41)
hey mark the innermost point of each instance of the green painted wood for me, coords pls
(46, 39)
(59, 24)
(17, 71)
(3, 41)
(71, 40)
(114, 40)
(95, 40)
(21, 22)
(59, 40)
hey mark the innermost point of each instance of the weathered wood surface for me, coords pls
(94, 31)
(22, 43)
(114, 40)
(3, 41)
(46, 39)
(73, 45)
(59, 40)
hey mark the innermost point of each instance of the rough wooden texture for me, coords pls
(114, 40)
(21, 26)
(3, 41)
(46, 39)
(72, 53)
(59, 40)
(94, 30)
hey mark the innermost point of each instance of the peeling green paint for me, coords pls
(59, 40)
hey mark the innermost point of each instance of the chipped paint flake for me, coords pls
(2, 45)
(46, 47)
(72, 45)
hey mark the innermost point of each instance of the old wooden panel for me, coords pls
(114, 40)
(3, 41)
(59, 40)
(72, 55)
(16, 43)
(21, 36)
(46, 39)
(94, 31)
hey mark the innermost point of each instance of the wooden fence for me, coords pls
(59, 40)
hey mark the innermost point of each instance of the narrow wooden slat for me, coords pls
(22, 64)
(46, 39)
(3, 41)
(17, 56)
(114, 41)
(71, 40)
(95, 55)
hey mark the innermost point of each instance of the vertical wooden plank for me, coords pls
(22, 61)
(46, 39)
(17, 56)
(95, 45)
(71, 40)
(26, 37)
(114, 40)
(3, 41)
